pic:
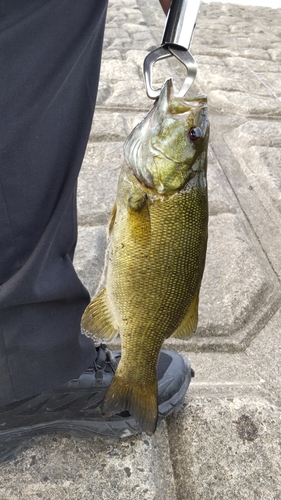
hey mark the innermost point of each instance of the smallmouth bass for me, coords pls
(158, 238)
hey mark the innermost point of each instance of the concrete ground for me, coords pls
(225, 443)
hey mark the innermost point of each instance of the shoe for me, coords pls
(74, 408)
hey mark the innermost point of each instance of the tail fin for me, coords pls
(140, 400)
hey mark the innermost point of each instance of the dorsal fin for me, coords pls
(189, 322)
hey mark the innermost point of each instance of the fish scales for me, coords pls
(158, 238)
(158, 285)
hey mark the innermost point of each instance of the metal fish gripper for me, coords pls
(177, 36)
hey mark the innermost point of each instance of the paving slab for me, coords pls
(224, 448)
(67, 468)
(225, 443)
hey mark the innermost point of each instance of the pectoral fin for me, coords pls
(97, 318)
(112, 218)
(138, 219)
(189, 322)
(137, 201)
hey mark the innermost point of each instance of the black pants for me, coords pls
(50, 54)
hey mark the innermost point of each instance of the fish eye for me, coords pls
(195, 133)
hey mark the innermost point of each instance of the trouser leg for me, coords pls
(50, 61)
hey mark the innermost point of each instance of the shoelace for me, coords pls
(105, 361)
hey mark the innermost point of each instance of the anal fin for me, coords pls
(97, 318)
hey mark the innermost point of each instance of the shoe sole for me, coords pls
(103, 427)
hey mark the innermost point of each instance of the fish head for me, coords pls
(168, 147)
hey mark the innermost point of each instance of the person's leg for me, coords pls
(50, 61)
(50, 57)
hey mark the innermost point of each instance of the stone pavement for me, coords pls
(225, 443)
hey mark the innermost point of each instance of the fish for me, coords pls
(158, 233)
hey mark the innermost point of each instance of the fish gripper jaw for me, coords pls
(162, 53)
(177, 36)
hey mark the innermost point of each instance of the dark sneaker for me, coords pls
(74, 408)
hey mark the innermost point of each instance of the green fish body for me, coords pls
(156, 258)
